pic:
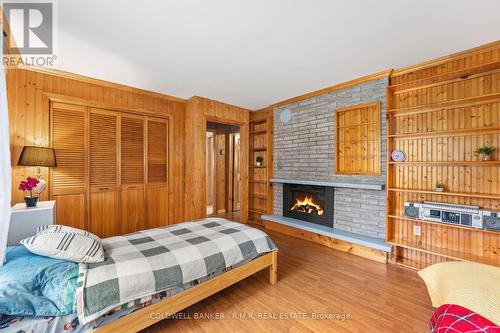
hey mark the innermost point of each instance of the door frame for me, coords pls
(244, 153)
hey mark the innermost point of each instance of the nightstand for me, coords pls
(24, 221)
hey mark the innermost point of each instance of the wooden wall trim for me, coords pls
(446, 58)
(339, 86)
(100, 105)
(336, 244)
(87, 79)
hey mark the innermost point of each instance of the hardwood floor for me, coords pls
(313, 279)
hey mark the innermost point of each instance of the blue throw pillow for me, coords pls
(32, 285)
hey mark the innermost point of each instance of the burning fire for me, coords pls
(307, 205)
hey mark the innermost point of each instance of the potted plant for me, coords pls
(485, 152)
(439, 187)
(259, 160)
(29, 185)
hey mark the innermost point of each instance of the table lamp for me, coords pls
(39, 157)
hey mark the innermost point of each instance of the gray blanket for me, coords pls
(141, 264)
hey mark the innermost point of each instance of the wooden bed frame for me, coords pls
(143, 318)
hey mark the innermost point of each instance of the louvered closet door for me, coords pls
(104, 176)
(157, 169)
(68, 181)
(133, 215)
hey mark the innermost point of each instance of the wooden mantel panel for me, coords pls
(29, 90)
(199, 110)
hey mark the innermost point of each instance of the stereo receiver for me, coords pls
(469, 216)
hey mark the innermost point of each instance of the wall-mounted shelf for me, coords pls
(362, 186)
(446, 133)
(455, 194)
(438, 118)
(444, 252)
(256, 211)
(257, 181)
(258, 121)
(411, 264)
(454, 104)
(260, 194)
(260, 132)
(454, 226)
(452, 75)
(256, 195)
(454, 163)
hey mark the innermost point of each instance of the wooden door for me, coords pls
(104, 172)
(210, 173)
(221, 170)
(235, 175)
(132, 156)
(157, 170)
(68, 181)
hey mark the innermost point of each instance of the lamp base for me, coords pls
(40, 187)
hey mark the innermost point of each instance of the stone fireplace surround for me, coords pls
(304, 152)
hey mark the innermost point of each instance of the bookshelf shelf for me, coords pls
(260, 194)
(437, 112)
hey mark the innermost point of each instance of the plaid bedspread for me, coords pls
(450, 318)
(150, 261)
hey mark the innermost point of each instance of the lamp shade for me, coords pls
(37, 156)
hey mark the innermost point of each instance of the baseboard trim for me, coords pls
(340, 245)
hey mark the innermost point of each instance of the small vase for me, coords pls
(484, 157)
(31, 201)
(439, 189)
(258, 163)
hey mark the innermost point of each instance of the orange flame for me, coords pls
(307, 205)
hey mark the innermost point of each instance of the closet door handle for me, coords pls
(103, 188)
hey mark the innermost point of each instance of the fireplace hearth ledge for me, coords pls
(368, 241)
(361, 186)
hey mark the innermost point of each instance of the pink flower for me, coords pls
(32, 181)
(22, 186)
(29, 184)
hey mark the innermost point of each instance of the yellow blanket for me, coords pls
(471, 285)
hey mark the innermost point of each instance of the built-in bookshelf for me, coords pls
(260, 191)
(438, 114)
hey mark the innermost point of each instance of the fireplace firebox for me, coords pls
(309, 203)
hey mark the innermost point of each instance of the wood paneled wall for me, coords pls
(199, 110)
(30, 90)
(357, 139)
(439, 112)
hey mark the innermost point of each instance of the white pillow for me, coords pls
(66, 245)
(64, 228)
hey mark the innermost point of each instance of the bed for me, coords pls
(457, 319)
(211, 254)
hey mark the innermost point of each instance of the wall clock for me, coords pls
(398, 155)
